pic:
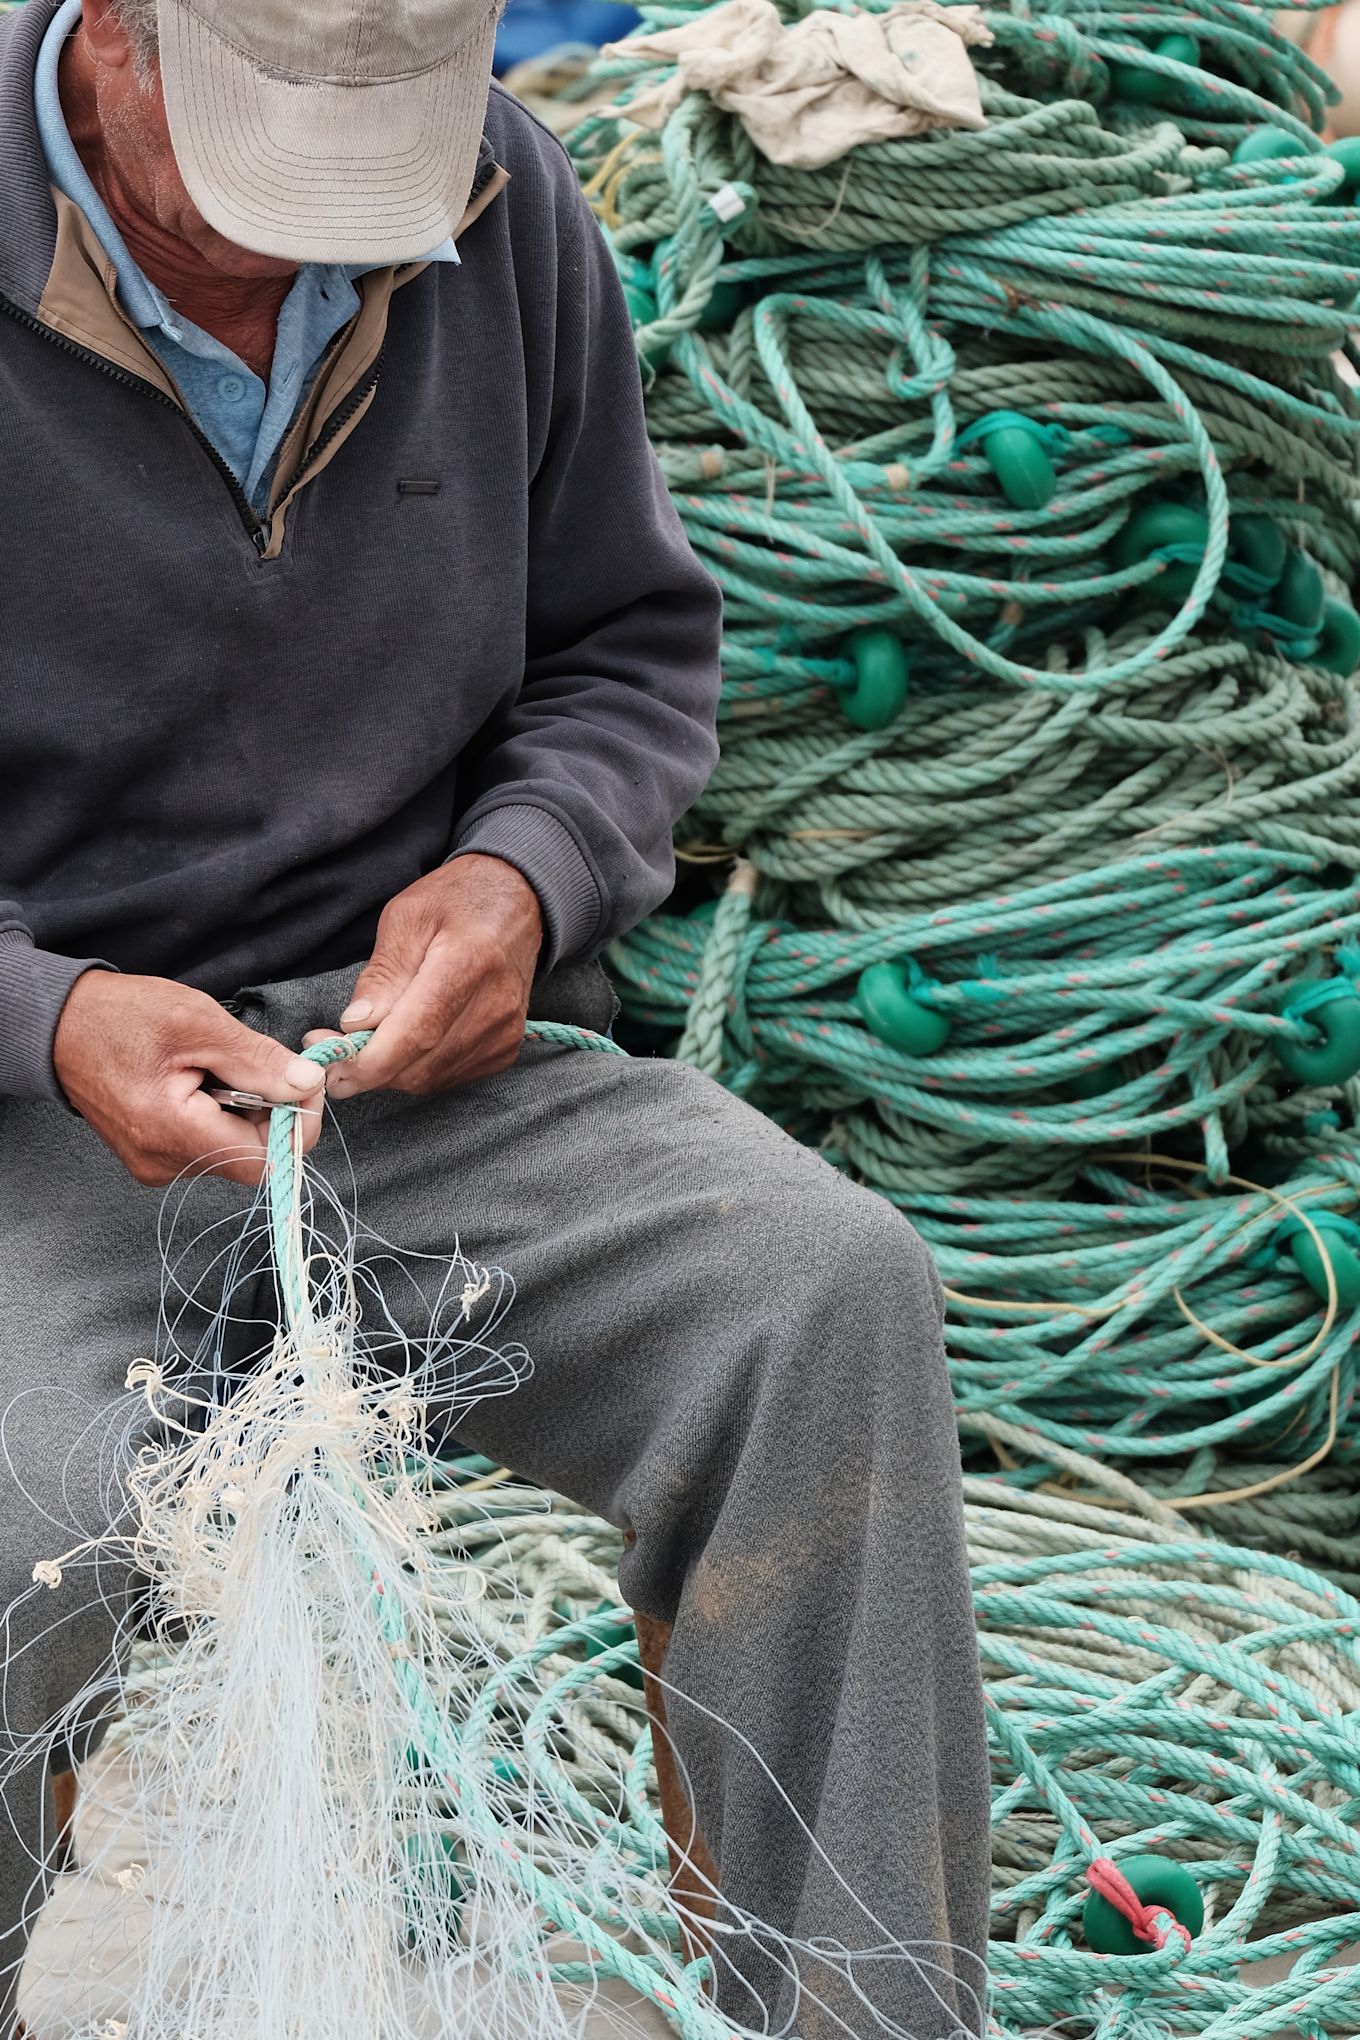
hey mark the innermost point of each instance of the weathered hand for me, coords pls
(447, 987)
(132, 1054)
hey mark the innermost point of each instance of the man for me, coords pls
(347, 618)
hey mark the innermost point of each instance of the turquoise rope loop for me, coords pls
(282, 1179)
(282, 1156)
(562, 1035)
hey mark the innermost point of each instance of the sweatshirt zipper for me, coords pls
(338, 420)
(255, 530)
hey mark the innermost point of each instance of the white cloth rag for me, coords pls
(808, 92)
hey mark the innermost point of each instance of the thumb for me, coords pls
(399, 950)
(246, 1061)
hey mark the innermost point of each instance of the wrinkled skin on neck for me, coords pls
(118, 123)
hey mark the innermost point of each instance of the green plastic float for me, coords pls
(902, 1021)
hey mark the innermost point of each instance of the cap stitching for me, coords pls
(250, 114)
(354, 42)
(246, 203)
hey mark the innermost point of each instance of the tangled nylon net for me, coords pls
(330, 1769)
(383, 1749)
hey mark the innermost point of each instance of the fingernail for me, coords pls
(357, 1014)
(302, 1075)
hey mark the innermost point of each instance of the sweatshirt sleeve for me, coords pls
(580, 779)
(33, 988)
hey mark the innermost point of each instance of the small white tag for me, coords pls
(728, 203)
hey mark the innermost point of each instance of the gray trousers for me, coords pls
(738, 1359)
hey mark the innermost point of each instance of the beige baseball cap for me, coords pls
(328, 130)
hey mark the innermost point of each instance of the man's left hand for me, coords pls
(447, 986)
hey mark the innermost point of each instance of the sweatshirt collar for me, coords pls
(144, 304)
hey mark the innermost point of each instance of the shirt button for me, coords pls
(231, 388)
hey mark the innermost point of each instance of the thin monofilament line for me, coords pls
(337, 1770)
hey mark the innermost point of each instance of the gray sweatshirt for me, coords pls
(469, 620)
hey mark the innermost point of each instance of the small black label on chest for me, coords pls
(417, 485)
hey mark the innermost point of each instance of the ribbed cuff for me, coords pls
(543, 851)
(33, 988)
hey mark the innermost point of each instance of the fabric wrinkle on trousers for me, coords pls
(737, 1358)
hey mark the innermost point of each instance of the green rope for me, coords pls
(1024, 461)
(560, 1035)
(1076, 769)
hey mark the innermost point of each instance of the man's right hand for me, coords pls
(132, 1055)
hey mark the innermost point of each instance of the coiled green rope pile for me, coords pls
(1154, 1695)
(1024, 461)
(1028, 890)
(1151, 1692)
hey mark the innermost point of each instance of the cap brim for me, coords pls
(323, 172)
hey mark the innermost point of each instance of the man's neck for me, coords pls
(241, 312)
